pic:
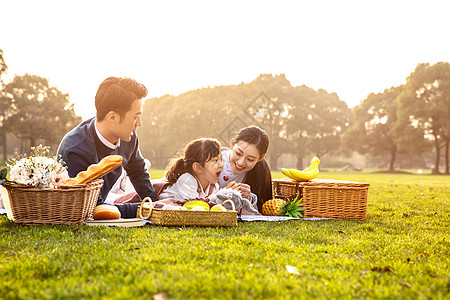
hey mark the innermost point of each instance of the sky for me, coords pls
(352, 48)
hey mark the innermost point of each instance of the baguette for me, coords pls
(94, 171)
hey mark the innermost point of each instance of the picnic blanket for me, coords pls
(252, 218)
(245, 218)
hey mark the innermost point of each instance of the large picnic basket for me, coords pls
(186, 217)
(65, 205)
(326, 198)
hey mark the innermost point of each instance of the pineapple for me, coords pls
(283, 207)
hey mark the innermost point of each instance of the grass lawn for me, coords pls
(400, 251)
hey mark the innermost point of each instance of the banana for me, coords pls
(286, 173)
(307, 174)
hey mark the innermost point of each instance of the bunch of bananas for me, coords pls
(307, 174)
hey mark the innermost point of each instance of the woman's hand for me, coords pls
(241, 187)
(245, 190)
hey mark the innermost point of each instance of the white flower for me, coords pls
(38, 170)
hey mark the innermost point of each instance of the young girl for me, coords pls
(245, 164)
(196, 172)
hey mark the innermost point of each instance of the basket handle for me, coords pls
(232, 204)
(141, 208)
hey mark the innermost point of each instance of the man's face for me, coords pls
(131, 121)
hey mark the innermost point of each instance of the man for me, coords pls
(119, 105)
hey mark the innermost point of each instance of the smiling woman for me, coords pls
(245, 164)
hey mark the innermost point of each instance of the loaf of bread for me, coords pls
(106, 212)
(94, 171)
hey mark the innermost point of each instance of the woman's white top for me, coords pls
(227, 172)
(187, 187)
(227, 175)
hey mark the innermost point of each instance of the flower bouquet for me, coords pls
(36, 192)
(37, 170)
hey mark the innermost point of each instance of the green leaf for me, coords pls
(3, 173)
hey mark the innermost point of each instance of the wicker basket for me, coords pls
(186, 217)
(66, 205)
(325, 198)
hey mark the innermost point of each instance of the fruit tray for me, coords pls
(186, 217)
(326, 198)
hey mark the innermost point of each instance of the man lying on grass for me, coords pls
(119, 105)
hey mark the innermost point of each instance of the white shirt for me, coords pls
(105, 141)
(227, 172)
(187, 187)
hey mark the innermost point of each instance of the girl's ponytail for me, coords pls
(199, 150)
(175, 168)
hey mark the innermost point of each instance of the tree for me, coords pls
(39, 112)
(315, 122)
(4, 106)
(372, 131)
(424, 108)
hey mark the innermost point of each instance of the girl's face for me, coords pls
(244, 157)
(210, 172)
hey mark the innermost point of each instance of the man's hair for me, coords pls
(117, 94)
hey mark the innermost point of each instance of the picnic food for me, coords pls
(106, 212)
(218, 207)
(200, 208)
(307, 174)
(94, 171)
(282, 207)
(206, 200)
(196, 203)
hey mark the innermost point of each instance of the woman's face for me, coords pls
(244, 157)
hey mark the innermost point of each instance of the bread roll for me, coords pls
(106, 212)
(94, 171)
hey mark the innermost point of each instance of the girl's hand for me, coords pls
(167, 201)
(241, 187)
(233, 185)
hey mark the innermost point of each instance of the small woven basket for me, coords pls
(66, 205)
(167, 217)
(325, 198)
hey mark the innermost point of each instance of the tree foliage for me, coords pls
(372, 131)
(269, 102)
(4, 106)
(424, 109)
(38, 112)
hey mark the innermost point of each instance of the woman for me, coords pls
(246, 165)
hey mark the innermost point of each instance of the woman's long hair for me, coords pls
(259, 178)
(197, 151)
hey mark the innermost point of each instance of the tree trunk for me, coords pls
(5, 155)
(273, 161)
(447, 171)
(392, 161)
(438, 156)
(300, 162)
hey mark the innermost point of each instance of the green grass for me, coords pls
(400, 251)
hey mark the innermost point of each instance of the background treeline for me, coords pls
(404, 126)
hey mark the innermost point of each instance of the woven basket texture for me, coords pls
(187, 217)
(66, 205)
(326, 198)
